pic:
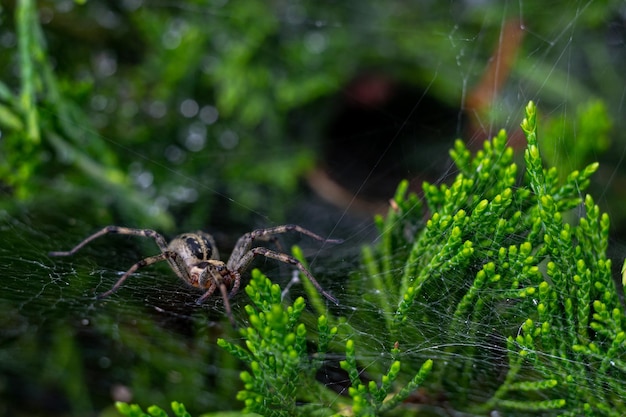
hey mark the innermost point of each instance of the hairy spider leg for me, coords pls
(144, 262)
(245, 260)
(120, 231)
(236, 282)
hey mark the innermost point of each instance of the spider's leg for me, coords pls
(207, 294)
(268, 253)
(236, 283)
(224, 292)
(116, 230)
(270, 231)
(245, 242)
(144, 262)
(229, 312)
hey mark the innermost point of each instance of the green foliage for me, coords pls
(50, 141)
(575, 340)
(282, 372)
(496, 253)
(372, 398)
(40, 117)
(276, 354)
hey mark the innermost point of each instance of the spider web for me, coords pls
(150, 342)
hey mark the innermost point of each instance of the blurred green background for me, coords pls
(231, 115)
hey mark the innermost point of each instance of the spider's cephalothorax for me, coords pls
(195, 259)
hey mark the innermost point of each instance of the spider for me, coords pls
(194, 259)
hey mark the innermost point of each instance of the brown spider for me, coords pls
(195, 259)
